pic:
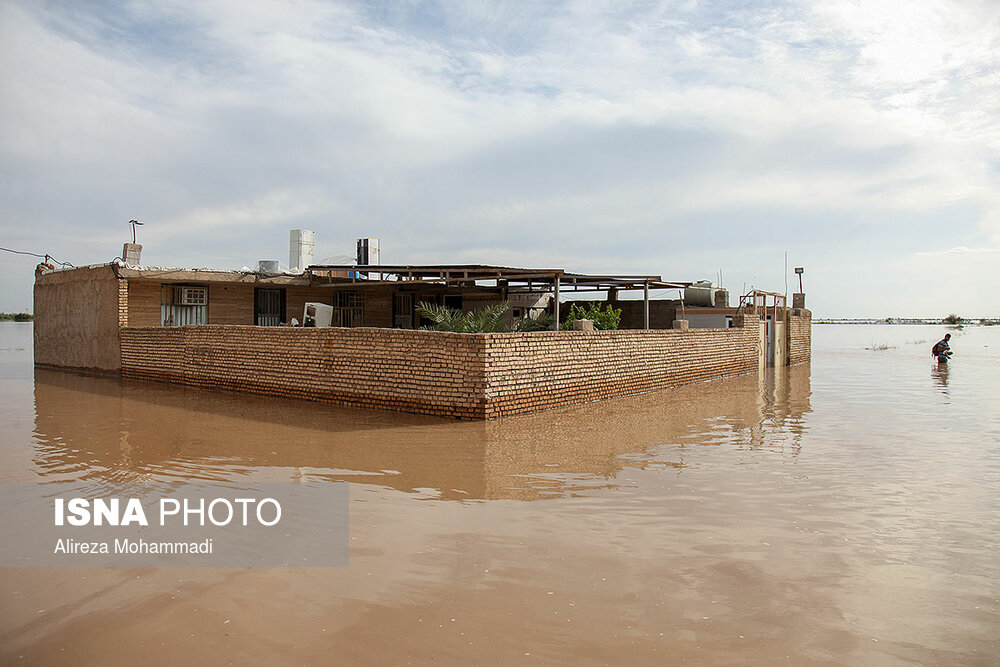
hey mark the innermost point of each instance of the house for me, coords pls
(232, 330)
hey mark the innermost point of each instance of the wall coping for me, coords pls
(487, 335)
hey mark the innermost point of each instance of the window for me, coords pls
(348, 309)
(181, 305)
(268, 306)
(402, 311)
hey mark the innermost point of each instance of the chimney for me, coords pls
(131, 253)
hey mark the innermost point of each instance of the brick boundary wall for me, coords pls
(799, 336)
(411, 371)
(529, 372)
(469, 376)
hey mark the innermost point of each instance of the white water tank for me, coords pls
(368, 252)
(268, 266)
(301, 249)
(700, 293)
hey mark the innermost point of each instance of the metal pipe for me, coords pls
(557, 301)
(645, 305)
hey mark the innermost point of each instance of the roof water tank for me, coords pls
(368, 252)
(301, 249)
(268, 266)
(700, 293)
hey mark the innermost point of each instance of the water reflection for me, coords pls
(939, 372)
(111, 432)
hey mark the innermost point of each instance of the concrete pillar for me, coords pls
(583, 325)
(681, 324)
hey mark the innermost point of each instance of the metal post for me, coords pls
(645, 305)
(557, 302)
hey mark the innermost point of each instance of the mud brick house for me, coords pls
(232, 330)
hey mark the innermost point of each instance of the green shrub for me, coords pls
(603, 319)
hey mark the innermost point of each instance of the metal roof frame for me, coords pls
(533, 279)
(510, 279)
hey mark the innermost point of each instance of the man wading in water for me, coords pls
(942, 350)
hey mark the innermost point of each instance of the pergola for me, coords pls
(509, 279)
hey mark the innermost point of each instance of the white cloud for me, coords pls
(589, 134)
(960, 279)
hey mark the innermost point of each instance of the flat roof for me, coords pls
(209, 275)
(515, 279)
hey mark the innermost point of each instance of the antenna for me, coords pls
(786, 274)
(134, 223)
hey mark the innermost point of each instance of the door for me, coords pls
(268, 306)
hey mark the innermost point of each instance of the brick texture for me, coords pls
(412, 371)
(799, 336)
(528, 372)
(469, 376)
(122, 302)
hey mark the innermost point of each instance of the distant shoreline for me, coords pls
(903, 320)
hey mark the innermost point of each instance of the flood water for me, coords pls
(842, 512)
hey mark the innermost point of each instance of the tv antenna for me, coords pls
(134, 223)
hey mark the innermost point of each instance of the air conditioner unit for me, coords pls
(317, 315)
(192, 296)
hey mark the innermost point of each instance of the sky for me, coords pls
(690, 140)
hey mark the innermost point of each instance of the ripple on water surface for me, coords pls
(844, 512)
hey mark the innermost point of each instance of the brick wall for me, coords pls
(122, 302)
(230, 303)
(662, 313)
(528, 372)
(412, 371)
(143, 303)
(799, 336)
(77, 312)
(471, 376)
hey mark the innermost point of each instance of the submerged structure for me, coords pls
(235, 330)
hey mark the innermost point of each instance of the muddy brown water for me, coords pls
(842, 512)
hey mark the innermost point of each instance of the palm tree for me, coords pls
(491, 319)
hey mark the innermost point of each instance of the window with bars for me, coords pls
(348, 309)
(181, 305)
(402, 311)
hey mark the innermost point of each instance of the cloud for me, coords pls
(959, 279)
(662, 137)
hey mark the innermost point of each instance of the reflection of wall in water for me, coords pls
(786, 395)
(130, 431)
(588, 445)
(82, 422)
